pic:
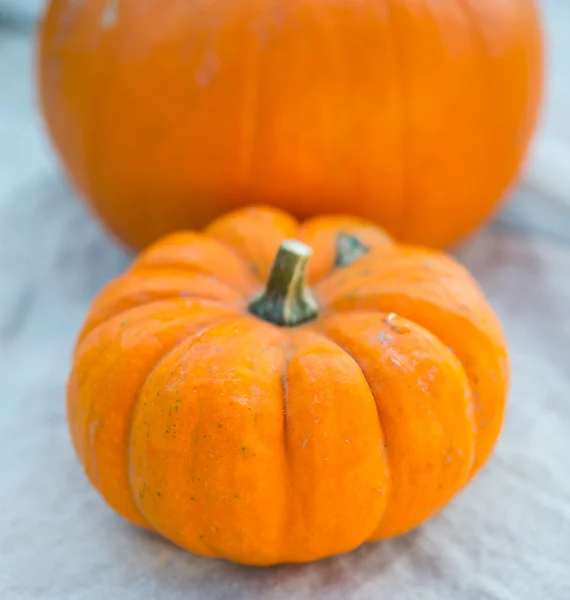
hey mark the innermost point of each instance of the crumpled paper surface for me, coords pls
(507, 537)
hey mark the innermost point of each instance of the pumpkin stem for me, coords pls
(348, 250)
(287, 301)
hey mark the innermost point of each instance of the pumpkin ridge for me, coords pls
(179, 266)
(88, 435)
(152, 272)
(157, 257)
(439, 294)
(405, 128)
(238, 242)
(399, 330)
(255, 128)
(112, 298)
(409, 316)
(173, 301)
(330, 337)
(79, 440)
(479, 35)
(96, 108)
(241, 255)
(102, 349)
(486, 73)
(184, 340)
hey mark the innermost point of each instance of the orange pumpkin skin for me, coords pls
(237, 438)
(415, 114)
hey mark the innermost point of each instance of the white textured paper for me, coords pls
(507, 537)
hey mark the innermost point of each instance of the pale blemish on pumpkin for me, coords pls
(385, 338)
(424, 383)
(110, 14)
(305, 441)
(208, 68)
(395, 362)
(92, 428)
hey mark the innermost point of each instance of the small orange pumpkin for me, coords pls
(415, 114)
(249, 403)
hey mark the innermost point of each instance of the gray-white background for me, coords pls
(506, 538)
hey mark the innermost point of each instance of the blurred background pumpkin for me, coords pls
(415, 114)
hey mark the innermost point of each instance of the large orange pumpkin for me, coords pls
(414, 114)
(284, 413)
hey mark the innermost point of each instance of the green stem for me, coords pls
(348, 250)
(287, 301)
